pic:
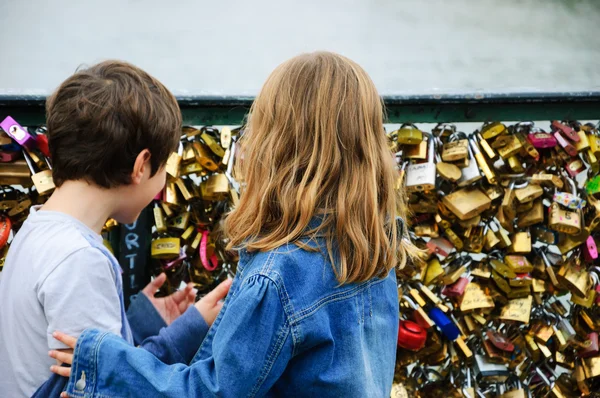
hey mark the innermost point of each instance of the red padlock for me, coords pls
(500, 341)
(566, 130)
(42, 142)
(456, 289)
(5, 227)
(592, 350)
(440, 246)
(411, 336)
(8, 156)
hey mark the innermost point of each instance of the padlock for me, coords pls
(540, 139)
(527, 146)
(491, 239)
(565, 129)
(584, 142)
(165, 248)
(521, 243)
(564, 221)
(456, 148)
(440, 246)
(204, 156)
(565, 145)
(447, 171)
(225, 137)
(173, 162)
(211, 138)
(415, 152)
(515, 164)
(489, 151)
(17, 133)
(418, 314)
(590, 251)
(467, 203)
(41, 179)
(592, 348)
(575, 277)
(421, 177)
(534, 216)
(512, 148)
(5, 230)
(491, 130)
(411, 336)
(528, 193)
(215, 188)
(575, 166)
(483, 165)
(470, 173)
(490, 372)
(447, 327)
(594, 139)
(9, 156)
(159, 219)
(456, 289)
(408, 134)
(514, 389)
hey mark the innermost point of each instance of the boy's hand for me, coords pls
(170, 307)
(210, 305)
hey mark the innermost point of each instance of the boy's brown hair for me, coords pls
(102, 117)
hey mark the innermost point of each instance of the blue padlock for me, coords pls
(448, 328)
(14, 147)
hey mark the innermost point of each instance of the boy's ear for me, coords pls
(139, 167)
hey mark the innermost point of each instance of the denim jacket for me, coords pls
(287, 328)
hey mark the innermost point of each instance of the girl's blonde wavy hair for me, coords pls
(315, 145)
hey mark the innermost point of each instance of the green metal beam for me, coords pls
(212, 110)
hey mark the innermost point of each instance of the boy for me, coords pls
(111, 128)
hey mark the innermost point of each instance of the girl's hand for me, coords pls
(63, 356)
(210, 305)
(170, 307)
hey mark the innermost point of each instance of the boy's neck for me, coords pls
(90, 204)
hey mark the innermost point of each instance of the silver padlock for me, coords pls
(421, 176)
(470, 174)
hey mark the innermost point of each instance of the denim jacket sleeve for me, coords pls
(174, 344)
(244, 355)
(144, 319)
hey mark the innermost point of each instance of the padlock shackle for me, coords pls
(29, 161)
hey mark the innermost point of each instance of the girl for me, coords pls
(313, 309)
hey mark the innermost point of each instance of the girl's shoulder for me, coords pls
(305, 279)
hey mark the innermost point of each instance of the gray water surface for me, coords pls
(229, 47)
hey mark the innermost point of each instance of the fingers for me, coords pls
(68, 340)
(64, 357)
(154, 285)
(187, 298)
(61, 370)
(64, 395)
(219, 292)
(181, 295)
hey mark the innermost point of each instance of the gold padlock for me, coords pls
(467, 202)
(528, 193)
(512, 148)
(534, 216)
(165, 248)
(408, 134)
(521, 243)
(568, 222)
(455, 150)
(492, 130)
